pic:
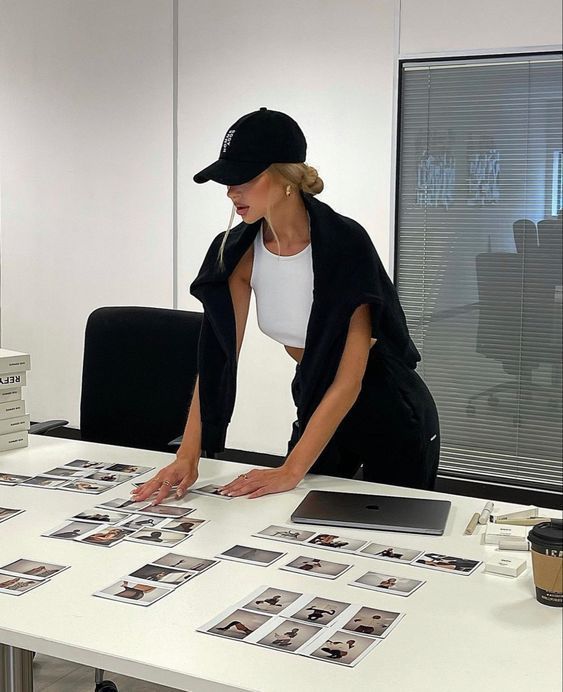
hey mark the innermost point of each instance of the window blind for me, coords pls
(479, 256)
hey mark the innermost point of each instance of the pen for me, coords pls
(472, 524)
(523, 522)
(486, 513)
(528, 513)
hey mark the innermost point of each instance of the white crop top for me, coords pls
(283, 287)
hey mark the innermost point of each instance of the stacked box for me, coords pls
(14, 422)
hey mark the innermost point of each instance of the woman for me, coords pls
(323, 293)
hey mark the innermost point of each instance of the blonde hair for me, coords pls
(299, 175)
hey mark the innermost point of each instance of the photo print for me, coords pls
(65, 472)
(236, 624)
(166, 539)
(320, 611)
(141, 521)
(372, 622)
(124, 504)
(284, 533)
(165, 510)
(344, 648)
(184, 524)
(86, 464)
(389, 552)
(12, 478)
(185, 562)
(253, 556)
(288, 635)
(341, 543)
(33, 568)
(107, 535)
(84, 485)
(134, 592)
(272, 601)
(7, 513)
(388, 583)
(100, 516)
(162, 575)
(318, 568)
(130, 469)
(211, 490)
(43, 482)
(447, 563)
(16, 585)
(70, 530)
(108, 477)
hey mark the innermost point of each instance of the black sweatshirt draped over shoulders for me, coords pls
(347, 273)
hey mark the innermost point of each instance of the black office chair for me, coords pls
(139, 371)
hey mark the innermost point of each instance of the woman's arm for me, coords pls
(335, 404)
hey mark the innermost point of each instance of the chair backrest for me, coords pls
(139, 371)
(525, 235)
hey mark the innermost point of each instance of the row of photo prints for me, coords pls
(151, 582)
(305, 624)
(380, 551)
(80, 476)
(117, 520)
(23, 575)
(326, 569)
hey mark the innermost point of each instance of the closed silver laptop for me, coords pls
(380, 512)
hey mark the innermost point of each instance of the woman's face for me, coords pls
(251, 198)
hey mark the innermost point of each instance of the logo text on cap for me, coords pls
(227, 139)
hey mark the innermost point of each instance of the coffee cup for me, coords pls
(546, 540)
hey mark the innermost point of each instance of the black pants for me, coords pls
(392, 429)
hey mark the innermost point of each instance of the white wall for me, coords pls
(86, 146)
(86, 177)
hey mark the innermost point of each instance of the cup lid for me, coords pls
(548, 534)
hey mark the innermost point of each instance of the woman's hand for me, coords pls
(180, 472)
(260, 482)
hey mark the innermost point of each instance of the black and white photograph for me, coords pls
(165, 510)
(17, 585)
(212, 490)
(252, 556)
(33, 568)
(129, 468)
(70, 530)
(344, 648)
(315, 567)
(161, 574)
(7, 513)
(236, 624)
(388, 583)
(288, 635)
(285, 533)
(84, 485)
(43, 482)
(124, 504)
(142, 521)
(65, 472)
(133, 592)
(320, 611)
(448, 563)
(335, 542)
(12, 478)
(389, 552)
(107, 536)
(184, 524)
(86, 464)
(272, 601)
(185, 562)
(109, 477)
(372, 622)
(166, 539)
(100, 516)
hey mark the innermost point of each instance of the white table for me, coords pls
(460, 633)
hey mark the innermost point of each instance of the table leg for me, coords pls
(16, 669)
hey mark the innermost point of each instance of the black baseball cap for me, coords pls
(253, 143)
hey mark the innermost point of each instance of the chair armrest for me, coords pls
(46, 426)
(176, 442)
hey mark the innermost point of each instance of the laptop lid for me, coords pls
(383, 512)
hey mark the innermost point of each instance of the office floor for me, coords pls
(55, 675)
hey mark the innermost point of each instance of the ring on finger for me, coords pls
(166, 482)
